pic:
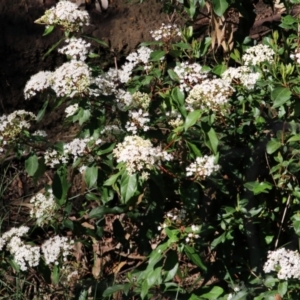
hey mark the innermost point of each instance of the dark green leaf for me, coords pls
(280, 95)
(100, 211)
(128, 186)
(157, 55)
(191, 119)
(194, 257)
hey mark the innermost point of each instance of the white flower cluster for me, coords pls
(42, 133)
(76, 49)
(137, 120)
(242, 75)
(210, 94)
(257, 55)
(75, 149)
(123, 100)
(55, 247)
(175, 119)
(65, 14)
(71, 110)
(140, 100)
(24, 255)
(296, 56)
(71, 79)
(37, 83)
(166, 32)
(202, 167)
(43, 207)
(189, 75)
(108, 82)
(175, 215)
(138, 154)
(12, 125)
(285, 262)
(193, 234)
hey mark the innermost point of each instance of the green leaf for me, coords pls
(213, 139)
(100, 211)
(112, 179)
(154, 277)
(83, 295)
(191, 119)
(48, 30)
(96, 40)
(171, 265)
(183, 45)
(31, 164)
(55, 275)
(144, 289)
(157, 55)
(219, 69)
(280, 95)
(41, 113)
(113, 289)
(90, 176)
(294, 138)
(215, 293)
(194, 149)
(269, 239)
(220, 6)
(52, 48)
(194, 257)
(173, 75)
(273, 145)
(282, 288)
(60, 185)
(218, 240)
(128, 186)
(258, 187)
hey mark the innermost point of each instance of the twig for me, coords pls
(282, 220)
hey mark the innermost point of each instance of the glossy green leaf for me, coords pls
(273, 146)
(157, 55)
(128, 186)
(280, 95)
(192, 119)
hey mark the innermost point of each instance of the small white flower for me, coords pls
(138, 154)
(257, 55)
(65, 14)
(202, 167)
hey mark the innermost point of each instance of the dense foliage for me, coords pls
(189, 166)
